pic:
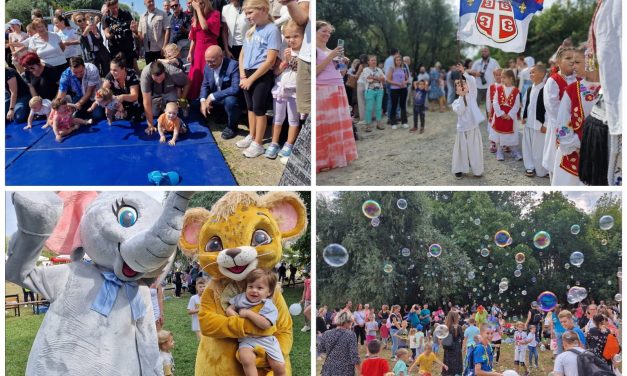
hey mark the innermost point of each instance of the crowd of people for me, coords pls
(473, 338)
(547, 115)
(218, 57)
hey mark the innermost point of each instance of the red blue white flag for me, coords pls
(502, 24)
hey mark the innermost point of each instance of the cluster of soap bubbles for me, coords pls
(576, 294)
(502, 238)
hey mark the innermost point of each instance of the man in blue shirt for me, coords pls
(483, 358)
(425, 317)
(566, 319)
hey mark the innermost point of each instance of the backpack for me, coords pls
(589, 364)
(469, 362)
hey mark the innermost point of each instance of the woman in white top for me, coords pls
(236, 26)
(69, 38)
(48, 47)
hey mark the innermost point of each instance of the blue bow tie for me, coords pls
(108, 293)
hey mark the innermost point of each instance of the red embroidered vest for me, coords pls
(491, 93)
(506, 103)
(561, 83)
(570, 162)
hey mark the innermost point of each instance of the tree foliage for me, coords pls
(421, 29)
(464, 223)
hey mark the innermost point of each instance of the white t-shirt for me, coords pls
(488, 68)
(69, 35)
(167, 359)
(49, 52)
(194, 303)
(305, 48)
(236, 24)
(46, 107)
(566, 363)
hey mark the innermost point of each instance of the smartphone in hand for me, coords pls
(340, 43)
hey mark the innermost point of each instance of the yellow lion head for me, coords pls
(243, 231)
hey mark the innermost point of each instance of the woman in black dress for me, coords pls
(340, 345)
(124, 83)
(453, 353)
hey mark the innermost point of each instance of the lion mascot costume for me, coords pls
(242, 232)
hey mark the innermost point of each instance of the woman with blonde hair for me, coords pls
(335, 141)
(48, 47)
(340, 345)
(204, 33)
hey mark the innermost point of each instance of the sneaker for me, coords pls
(272, 151)
(458, 175)
(254, 150)
(499, 155)
(305, 328)
(228, 134)
(286, 151)
(245, 142)
(394, 126)
(405, 126)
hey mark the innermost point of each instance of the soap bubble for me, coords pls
(401, 203)
(575, 229)
(295, 309)
(576, 294)
(375, 222)
(485, 252)
(606, 222)
(503, 286)
(519, 266)
(534, 280)
(520, 257)
(604, 242)
(477, 221)
(487, 237)
(567, 266)
(490, 265)
(371, 209)
(405, 252)
(435, 250)
(502, 239)
(576, 258)
(510, 372)
(523, 234)
(547, 301)
(517, 273)
(388, 268)
(504, 279)
(618, 297)
(441, 331)
(541, 239)
(524, 292)
(471, 275)
(335, 255)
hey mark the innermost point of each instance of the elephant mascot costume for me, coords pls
(100, 320)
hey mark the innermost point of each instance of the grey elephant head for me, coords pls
(132, 234)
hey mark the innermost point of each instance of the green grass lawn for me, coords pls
(506, 361)
(21, 331)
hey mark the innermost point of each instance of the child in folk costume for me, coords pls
(488, 104)
(553, 91)
(506, 104)
(577, 102)
(468, 149)
(534, 116)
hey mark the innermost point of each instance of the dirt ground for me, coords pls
(248, 171)
(398, 157)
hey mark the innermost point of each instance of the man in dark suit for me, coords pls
(220, 89)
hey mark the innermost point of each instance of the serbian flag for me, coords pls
(502, 24)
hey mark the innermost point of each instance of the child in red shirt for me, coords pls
(374, 366)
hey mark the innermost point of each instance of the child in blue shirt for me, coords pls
(420, 97)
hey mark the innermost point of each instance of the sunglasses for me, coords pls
(174, 5)
(80, 20)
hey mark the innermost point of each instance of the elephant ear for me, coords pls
(193, 220)
(66, 238)
(289, 211)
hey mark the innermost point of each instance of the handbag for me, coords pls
(351, 81)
